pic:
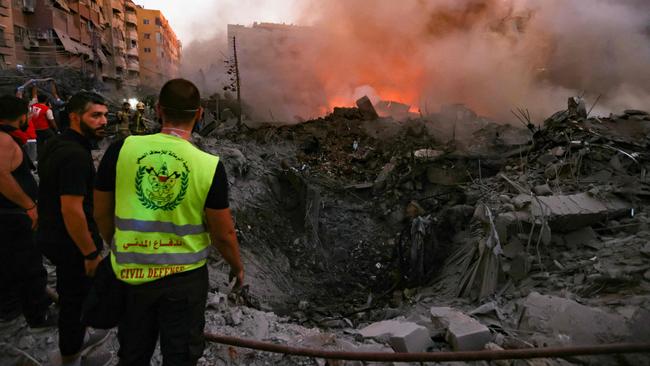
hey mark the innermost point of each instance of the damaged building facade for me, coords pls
(97, 37)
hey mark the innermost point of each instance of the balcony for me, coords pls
(131, 34)
(117, 5)
(131, 18)
(120, 62)
(119, 43)
(118, 23)
(133, 52)
(133, 65)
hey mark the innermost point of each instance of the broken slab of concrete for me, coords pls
(366, 108)
(396, 110)
(572, 212)
(380, 330)
(428, 154)
(403, 336)
(410, 337)
(462, 332)
(382, 178)
(565, 321)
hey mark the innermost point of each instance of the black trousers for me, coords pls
(41, 137)
(73, 286)
(173, 308)
(22, 275)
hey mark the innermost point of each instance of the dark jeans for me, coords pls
(22, 275)
(172, 307)
(73, 286)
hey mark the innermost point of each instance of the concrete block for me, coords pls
(568, 213)
(403, 336)
(566, 321)
(463, 332)
(366, 108)
(380, 330)
(410, 337)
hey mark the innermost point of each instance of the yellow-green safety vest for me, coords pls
(161, 188)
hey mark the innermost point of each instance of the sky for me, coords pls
(201, 19)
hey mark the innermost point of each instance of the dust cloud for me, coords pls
(491, 55)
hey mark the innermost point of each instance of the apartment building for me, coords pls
(53, 33)
(160, 49)
(99, 37)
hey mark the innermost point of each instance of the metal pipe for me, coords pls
(552, 352)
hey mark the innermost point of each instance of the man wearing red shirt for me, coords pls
(42, 118)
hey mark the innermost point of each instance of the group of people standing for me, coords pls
(131, 123)
(159, 202)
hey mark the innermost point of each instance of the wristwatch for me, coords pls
(92, 255)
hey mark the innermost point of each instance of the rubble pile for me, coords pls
(443, 232)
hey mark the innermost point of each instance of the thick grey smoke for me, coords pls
(492, 55)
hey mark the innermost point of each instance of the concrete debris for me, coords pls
(428, 154)
(367, 109)
(382, 330)
(410, 337)
(350, 219)
(580, 238)
(570, 322)
(396, 110)
(384, 175)
(577, 108)
(572, 212)
(10, 356)
(543, 190)
(462, 332)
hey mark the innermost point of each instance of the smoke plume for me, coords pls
(491, 55)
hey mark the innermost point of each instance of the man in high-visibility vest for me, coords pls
(161, 201)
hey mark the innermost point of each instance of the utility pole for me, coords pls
(237, 82)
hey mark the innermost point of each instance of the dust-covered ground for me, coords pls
(537, 232)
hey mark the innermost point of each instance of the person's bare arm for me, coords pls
(9, 187)
(224, 238)
(53, 89)
(104, 206)
(50, 119)
(74, 219)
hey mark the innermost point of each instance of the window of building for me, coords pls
(147, 36)
(28, 5)
(145, 21)
(147, 50)
(158, 22)
(19, 33)
(158, 37)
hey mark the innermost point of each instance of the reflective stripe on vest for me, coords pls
(158, 226)
(162, 184)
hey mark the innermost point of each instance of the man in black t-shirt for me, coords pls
(67, 233)
(165, 286)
